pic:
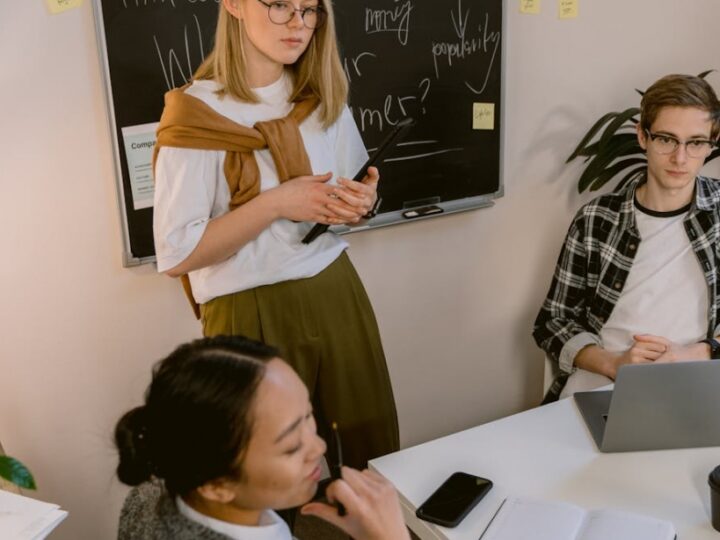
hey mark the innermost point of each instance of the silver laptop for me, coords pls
(656, 407)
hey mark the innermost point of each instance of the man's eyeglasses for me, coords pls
(667, 144)
(281, 12)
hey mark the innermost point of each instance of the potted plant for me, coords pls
(616, 150)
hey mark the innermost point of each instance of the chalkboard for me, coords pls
(439, 62)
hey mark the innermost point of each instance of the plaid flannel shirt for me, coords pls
(595, 262)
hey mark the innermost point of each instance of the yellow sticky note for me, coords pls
(530, 6)
(58, 6)
(568, 9)
(483, 116)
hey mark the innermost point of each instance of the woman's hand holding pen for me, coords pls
(371, 502)
(353, 200)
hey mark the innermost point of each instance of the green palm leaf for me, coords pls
(616, 168)
(616, 148)
(593, 149)
(590, 134)
(617, 123)
(17, 473)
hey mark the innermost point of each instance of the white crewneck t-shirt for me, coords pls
(271, 526)
(665, 293)
(191, 189)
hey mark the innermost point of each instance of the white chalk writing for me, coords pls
(173, 64)
(395, 108)
(418, 156)
(486, 42)
(390, 20)
(142, 3)
(172, 3)
(356, 64)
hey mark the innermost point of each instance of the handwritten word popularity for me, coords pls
(486, 42)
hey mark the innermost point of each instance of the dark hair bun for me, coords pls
(134, 467)
(196, 418)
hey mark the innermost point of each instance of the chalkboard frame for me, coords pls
(128, 259)
(383, 219)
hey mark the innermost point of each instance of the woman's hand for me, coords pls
(355, 199)
(371, 502)
(306, 198)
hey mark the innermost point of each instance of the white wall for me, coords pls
(455, 296)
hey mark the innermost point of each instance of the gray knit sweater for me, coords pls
(149, 513)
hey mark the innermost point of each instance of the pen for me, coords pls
(336, 468)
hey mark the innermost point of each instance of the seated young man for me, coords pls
(637, 277)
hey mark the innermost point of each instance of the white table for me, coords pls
(548, 453)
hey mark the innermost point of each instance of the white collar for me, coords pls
(271, 526)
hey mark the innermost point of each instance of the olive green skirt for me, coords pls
(325, 328)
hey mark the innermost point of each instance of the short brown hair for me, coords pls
(680, 91)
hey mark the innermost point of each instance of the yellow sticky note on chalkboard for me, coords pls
(531, 7)
(58, 6)
(483, 116)
(568, 9)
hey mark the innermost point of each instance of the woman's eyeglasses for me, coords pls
(281, 12)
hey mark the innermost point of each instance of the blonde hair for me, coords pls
(317, 73)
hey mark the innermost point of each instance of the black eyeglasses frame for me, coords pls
(320, 11)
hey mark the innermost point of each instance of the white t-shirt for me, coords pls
(271, 526)
(665, 293)
(190, 189)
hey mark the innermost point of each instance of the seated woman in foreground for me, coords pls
(227, 436)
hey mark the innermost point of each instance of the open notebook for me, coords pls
(23, 518)
(522, 519)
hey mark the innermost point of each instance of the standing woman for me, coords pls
(258, 147)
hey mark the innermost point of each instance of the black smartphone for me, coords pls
(397, 133)
(454, 499)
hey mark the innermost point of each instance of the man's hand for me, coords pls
(674, 352)
(598, 360)
(641, 352)
(645, 349)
